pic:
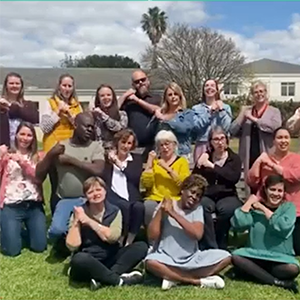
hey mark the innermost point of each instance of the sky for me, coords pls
(40, 33)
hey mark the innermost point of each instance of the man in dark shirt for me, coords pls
(140, 106)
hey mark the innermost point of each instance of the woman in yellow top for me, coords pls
(57, 120)
(164, 172)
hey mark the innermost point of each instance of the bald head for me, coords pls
(140, 82)
(84, 127)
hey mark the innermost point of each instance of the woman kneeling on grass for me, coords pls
(21, 194)
(176, 229)
(269, 258)
(95, 230)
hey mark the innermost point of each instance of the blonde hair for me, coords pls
(166, 135)
(177, 89)
(255, 84)
(91, 181)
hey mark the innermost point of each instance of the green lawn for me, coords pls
(40, 276)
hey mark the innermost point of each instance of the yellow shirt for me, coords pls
(159, 184)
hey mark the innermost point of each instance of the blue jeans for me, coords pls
(12, 218)
(60, 220)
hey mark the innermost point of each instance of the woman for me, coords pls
(109, 119)
(57, 122)
(14, 108)
(176, 229)
(94, 233)
(281, 162)
(221, 167)
(254, 127)
(174, 116)
(211, 112)
(21, 194)
(269, 258)
(164, 172)
(122, 174)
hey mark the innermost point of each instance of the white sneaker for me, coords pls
(214, 282)
(167, 284)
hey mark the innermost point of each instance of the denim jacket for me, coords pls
(204, 120)
(182, 126)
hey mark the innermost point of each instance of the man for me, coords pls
(140, 106)
(75, 159)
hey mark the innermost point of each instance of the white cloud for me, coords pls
(40, 33)
(277, 44)
(41, 36)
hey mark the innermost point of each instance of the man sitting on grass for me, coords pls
(77, 159)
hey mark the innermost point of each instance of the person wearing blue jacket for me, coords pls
(209, 113)
(174, 116)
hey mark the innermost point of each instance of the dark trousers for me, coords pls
(296, 237)
(84, 266)
(216, 228)
(54, 199)
(132, 212)
(13, 216)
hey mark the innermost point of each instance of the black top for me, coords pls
(222, 180)
(140, 120)
(254, 144)
(133, 173)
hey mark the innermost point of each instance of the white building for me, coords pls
(282, 80)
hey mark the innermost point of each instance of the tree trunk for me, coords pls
(154, 64)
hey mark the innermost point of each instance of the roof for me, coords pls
(85, 78)
(269, 66)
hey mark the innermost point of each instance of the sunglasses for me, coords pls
(141, 80)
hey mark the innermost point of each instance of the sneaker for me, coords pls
(214, 282)
(132, 278)
(94, 285)
(167, 284)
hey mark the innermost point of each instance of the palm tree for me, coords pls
(154, 23)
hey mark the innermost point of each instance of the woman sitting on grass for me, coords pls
(164, 172)
(94, 232)
(20, 194)
(175, 230)
(269, 258)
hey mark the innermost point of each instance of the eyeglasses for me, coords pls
(220, 139)
(141, 80)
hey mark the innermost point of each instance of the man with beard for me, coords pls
(75, 159)
(140, 106)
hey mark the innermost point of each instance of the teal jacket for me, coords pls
(268, 239)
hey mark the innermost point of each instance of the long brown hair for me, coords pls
(33, 148)
(113, 110)
(57, 92)
(20, 97)
(217, 88)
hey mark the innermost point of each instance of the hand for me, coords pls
(4, 104)
(112, 156)
(58, 149)
(129, 93)
(202, 159)
(158, 114)
(16, 157)
(99, 111)
(248, 115)
(152, 155)
(258, 206)
(219, 104)
(167, 206)
(65, 159)
(81, 216)
(63, 107)
(208, 164)
(3, 150)
(265, 159)
(134, 98)
(164, 165)
(252, 199)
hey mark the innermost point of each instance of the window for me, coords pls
(230, 88)
(288, 88)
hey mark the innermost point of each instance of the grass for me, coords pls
(40, 276)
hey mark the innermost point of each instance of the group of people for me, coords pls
(125, 164)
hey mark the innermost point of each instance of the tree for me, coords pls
(189, 56)
(154, 23)
(102, 61)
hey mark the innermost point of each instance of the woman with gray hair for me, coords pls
(254, 127)
(221, 167)
(164, 172)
